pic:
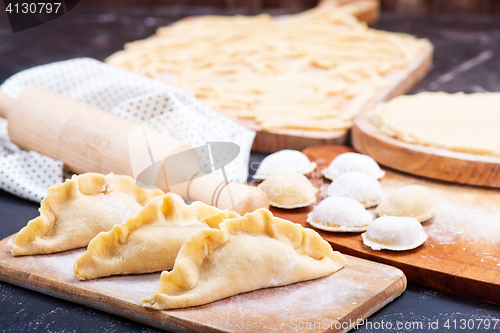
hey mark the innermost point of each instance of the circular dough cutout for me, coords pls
(353, 162)
(340, 214)
(359, 186)
(394, 233)
(413, 201)
(288, 189)
(284, 160)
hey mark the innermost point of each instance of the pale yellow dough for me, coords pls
(394, 233)
(247, 253)
(313, 70)
(284, 160)
(289, 189)
(412, 201)
(150, 241)
(459, 122)
(340, 214)
(75, 211)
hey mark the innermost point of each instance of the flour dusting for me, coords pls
(466, 222)
(464, 214)
(115, 204)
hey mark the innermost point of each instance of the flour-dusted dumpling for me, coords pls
(150, 241)
(284, 160)
(413, 200)
(394, 233)
(359, 186)
(353, 162)
(75, 211)
(340, 214)
(289, 189)
(248, 253)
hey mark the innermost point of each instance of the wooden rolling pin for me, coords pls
(88, 139)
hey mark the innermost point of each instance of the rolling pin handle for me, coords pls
(255, 199)
(5, 104)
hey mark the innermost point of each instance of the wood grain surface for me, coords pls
(355, 292)
(462, 254)
(432, 162)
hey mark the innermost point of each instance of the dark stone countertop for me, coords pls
(467, 58)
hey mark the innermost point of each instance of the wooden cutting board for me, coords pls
(461, 256)
(401, 82)
(432, 162)
(355, 292)
(277, 139)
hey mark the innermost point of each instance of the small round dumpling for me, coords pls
(359, 186)
(353, 162)
(413, 200)
(288, 189)
(394, 233)
(284, 160)
(340, 214)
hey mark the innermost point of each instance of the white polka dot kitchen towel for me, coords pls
(28, 174)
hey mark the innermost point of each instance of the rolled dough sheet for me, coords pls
(460, 122)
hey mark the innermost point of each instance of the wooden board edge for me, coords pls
(161, 319)
(370, 11)
(477, 287)
(365, 10)
(424, 161)
(417, 73)
(274, 140)
(270, 142)
(440, 281)
(390, 293)
(91, 299)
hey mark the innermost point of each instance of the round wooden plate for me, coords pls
(425, 161)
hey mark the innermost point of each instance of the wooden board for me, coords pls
(365, 10)
(278, 139)
(402, 81)
(461, 256)
(355, 292)
(422, 160)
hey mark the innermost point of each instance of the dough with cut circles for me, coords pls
(288, 189)
(150, 241)
(459, 122)
(359, 186)
(248, 253)
(413, 200)
(75, 211)
(394, 233)
(284, 160)
(308, 71)
(340, 214)
(348, 162)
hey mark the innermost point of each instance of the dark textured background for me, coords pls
(426, 7)
(466, 59)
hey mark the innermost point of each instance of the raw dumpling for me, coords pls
(353, 162)
(248, 253)
(150, 241)
(75, 211)
(340, 214)
(284, 160)
(414, 201)
(359, 186)
(394, 233)
(289, 189)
